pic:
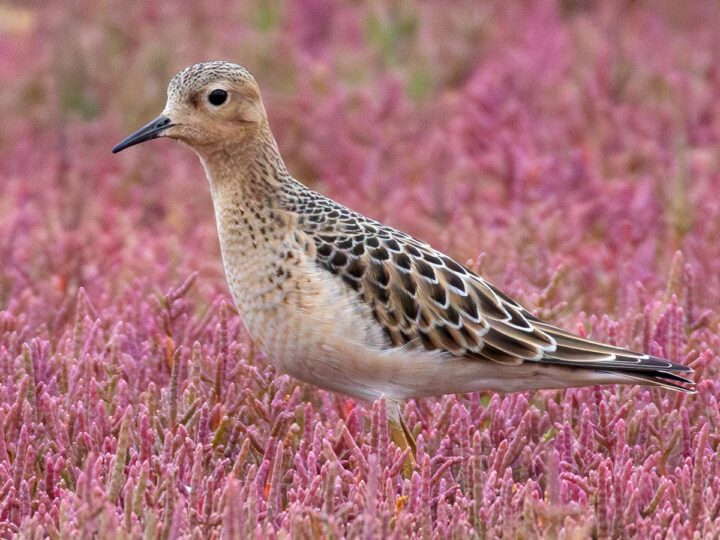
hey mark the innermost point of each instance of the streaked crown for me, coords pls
(198, 75)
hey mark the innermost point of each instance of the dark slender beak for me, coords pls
(150, 131)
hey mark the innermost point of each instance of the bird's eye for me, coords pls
(217, 97)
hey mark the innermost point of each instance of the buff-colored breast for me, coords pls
(291, 307)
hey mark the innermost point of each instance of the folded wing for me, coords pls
(420, 296)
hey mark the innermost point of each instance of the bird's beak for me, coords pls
(150, 131)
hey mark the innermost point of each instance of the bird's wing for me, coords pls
(419, 295)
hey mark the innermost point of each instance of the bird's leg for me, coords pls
(401, 436)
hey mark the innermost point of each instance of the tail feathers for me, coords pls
(648, 370)
(648, 375)
(576, 352)
(664, 380)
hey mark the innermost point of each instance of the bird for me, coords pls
(351, 305)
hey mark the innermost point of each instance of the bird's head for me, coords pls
(208, 105)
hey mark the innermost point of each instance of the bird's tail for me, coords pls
(575, 352)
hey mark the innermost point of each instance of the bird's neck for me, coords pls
(249, 185)
(245, 172)
(250, 188)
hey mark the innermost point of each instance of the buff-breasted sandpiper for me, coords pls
(351, 305)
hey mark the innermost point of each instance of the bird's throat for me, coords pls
(253, 227)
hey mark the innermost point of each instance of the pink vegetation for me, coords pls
(567, 152)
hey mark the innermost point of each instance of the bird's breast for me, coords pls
(289, 304)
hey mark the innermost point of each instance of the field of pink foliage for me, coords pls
(569, 151)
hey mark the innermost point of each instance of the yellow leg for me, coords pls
(401, 436)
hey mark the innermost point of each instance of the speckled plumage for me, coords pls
(351, 305)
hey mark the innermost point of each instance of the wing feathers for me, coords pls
(419, 295)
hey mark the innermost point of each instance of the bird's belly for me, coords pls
(293, 314)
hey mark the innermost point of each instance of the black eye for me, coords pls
(217, 97)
